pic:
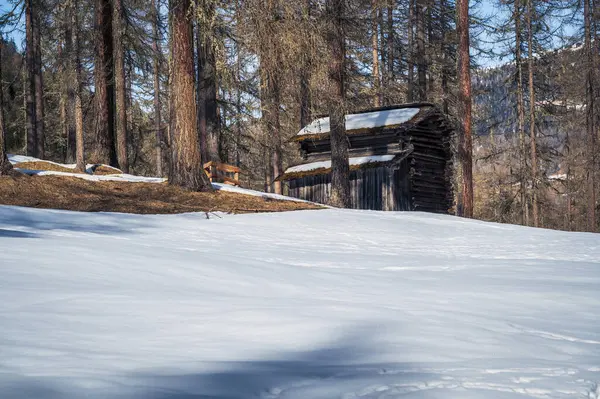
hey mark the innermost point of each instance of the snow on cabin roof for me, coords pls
(366, 120)
(326, 165)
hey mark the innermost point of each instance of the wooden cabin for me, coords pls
(400, 160)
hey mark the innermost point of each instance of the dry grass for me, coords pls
(102, 170)
(70, 193)
(43, 165)
(107, 170)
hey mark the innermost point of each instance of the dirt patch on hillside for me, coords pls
(70, 193)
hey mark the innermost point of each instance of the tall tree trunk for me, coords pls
(67, 72)
(120, 102)
(431, 41)
(208, 118)
(275, 133)
(410, 56)
(270, 103)
(375, 50)
(464, 106)
(446, 57)
(63, 93)
(77, 88)
(30, 118)
(105, 150)
(267, 159)
(533, 149)
(201, 110)
(590, 117)
(5, 165)
(421, 56)
(39, 85)
(305, 73)
(520, 114)
(156, 66)
(568, 184)
(305, 97)
(238, 97)
(186, 169)
(336, 40)
(391, 56)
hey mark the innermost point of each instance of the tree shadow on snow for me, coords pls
(5, 233)
(47, 220)
(328, 372)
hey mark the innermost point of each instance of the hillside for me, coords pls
(559, 93)
(328, 304)
(45, 184)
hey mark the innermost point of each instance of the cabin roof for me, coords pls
(390, 116)
(324, 167)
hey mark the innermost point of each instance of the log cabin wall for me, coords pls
(431, 166)
(385, 187)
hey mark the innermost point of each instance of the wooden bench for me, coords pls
(222, 173)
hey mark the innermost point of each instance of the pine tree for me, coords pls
(186, 163)
(29, 86)
(156, 66)
(590, 116)
(119, 85)
(375, 43)
(335, 38)
(208, 118)
(40, 137)
(464, 106)
(104, 142)
(77, 88)
(5, 165)
(532, 124)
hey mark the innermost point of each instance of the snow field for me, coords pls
(312, 304)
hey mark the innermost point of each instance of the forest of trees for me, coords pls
(159, 87)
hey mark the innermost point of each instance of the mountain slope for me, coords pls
(312, 304)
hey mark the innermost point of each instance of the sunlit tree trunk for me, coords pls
(336, 40)
(305, 72)
(590, 117)
(275, 134)
(64, 95)
(208, 117)
(446, 57)
(120, 87)
(79, 146)
(464, 106)
(186, 169)
(375, 51)
(30, 108)
(520, 113)
(104, 143)
(5, 165)
(420, 9)
(410, 82)
(156, 74)
(40, 137)
(391, 53)
(533, 149)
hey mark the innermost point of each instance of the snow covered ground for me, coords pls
(312, 304)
